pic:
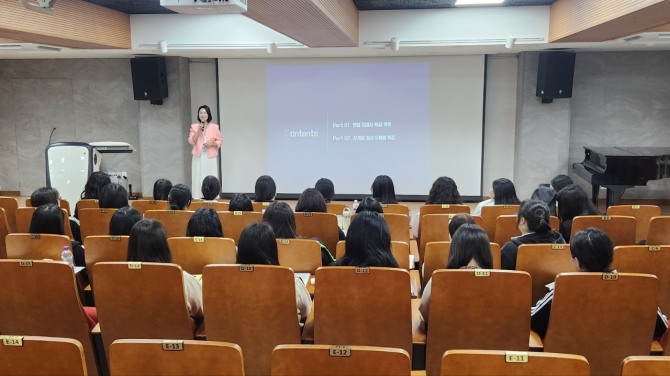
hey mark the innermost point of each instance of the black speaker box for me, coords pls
(149, 79)
(555, 71)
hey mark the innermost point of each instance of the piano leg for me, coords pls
(595, 191)
(614, 194)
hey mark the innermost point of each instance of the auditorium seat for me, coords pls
(322, 226)
(260, 206)
(36, 246)
(400, 251)
(659, 231)
(216, 205)
(143, 205)
(477, 309)
(395, 209)
(499, 362)
(174, 221)
(648, 259)
(253, 306)
(33, 355)
(301, 255)
(104, 248)
(94, 221)
(398, 226)
(620, 229)
(233, 223)
(507, 228)
(193, 253)
(646, 365)
(605, 331)
(141, 300)
(543, 262)
(342, 360)
(10, 204)
(4, 231)
(24, 217)
(149, 357)
(87, 203)
(490, 215)
(336, 209)
(642, 214)
(40, 298)
(63, 203)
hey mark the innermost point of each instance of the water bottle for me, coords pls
(346, 218)
(354, 206)
(67, 256)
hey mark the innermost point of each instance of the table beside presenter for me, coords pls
(205, 137)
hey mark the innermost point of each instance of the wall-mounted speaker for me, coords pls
(149, 79)
(555, 71)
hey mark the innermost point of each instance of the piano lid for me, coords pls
(630, 151)
(112, 147)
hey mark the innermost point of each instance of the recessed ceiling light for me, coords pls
(478, 2)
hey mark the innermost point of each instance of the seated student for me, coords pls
(96, 181)
(162, 189)
(459, 220)
(560, 181)
(179, 197)
(443, 191)
(534, 223)
(368, 242)
(49, 219)
(327, 189)
(573, 202)
(211, 188)
(502, 192)
(258, 246)
(44, 195)
(123, 221)
(113, 196)
(311, 200)
(547, 193)
(383, 190)
(265, 189)
(592, 251)
(280, 217)
(369, 204)
(204, 222)
(470, 249)
(240, 202)
(148, 243)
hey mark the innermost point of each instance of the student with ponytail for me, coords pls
(533, 222)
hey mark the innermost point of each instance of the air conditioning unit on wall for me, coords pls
(205, 6)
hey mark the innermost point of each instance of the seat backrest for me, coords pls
(169, 357)
(395, 209)
(233, 223)
(328, 360)
(88, 203)
(507, 228)
(260, 206)
(437, 255)
(94, 222)
(40, 298)
(490, 215)
(32, 355)
(141, 300)
(434, 228)
(144, 205)
(253, 306)
(301, 255)
(603, 317)
(4, 230)
(543, 262)
(322, 226)
(646, 365)
(642, 213)
(216, 205)
(647, 259)
(174, 221)
(443, 209)
(193, 253)
(620, 229)
(35, 246)
(498, 362)
(398, 226)
(349, 302)
(10, 204)
(336, 209)
(659, 230)
(400, 251)
(477, 309)
(24, 217)
(104, 248)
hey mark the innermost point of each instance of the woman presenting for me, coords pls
(206, 140)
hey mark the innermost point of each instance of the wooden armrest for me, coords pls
(535, 342)
(414, 250)
(308, 329)
(415, 280)
(418, 326)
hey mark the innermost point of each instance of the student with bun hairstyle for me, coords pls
(240, 202)
(534, 223)
(179, 197)
(369, 204)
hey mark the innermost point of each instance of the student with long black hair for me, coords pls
(502, 192)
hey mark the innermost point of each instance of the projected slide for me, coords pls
(333, 120)
(351, 119)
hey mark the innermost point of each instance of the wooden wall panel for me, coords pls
(74, 24)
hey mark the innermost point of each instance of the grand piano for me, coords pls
(619, 168)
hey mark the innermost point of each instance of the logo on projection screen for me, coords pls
(301, 134)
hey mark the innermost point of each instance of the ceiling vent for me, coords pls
(206, 6)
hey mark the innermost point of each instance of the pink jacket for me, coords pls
(211, 132)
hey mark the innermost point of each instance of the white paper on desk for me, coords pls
(304, 277)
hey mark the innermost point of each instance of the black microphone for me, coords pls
(52, 133)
